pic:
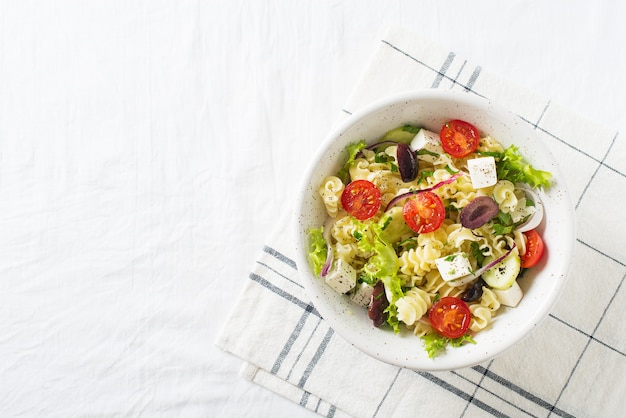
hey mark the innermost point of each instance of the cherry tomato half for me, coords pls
(361, 199)
(424, 212)
(534, 249)
(459, 138)
(450, 316)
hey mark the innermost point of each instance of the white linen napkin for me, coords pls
(571, 365)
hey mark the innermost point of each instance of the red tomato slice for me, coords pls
(450, 316)
(459, 138)
(424, 212)
(534, 249)
(361, 199)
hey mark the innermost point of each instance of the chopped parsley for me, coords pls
(381, 157)
(450, 169)
(424, 175)
(503, 223)
(477, 253)
(424, 151)
(406, 245)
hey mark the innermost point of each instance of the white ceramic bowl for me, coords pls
(542, 285)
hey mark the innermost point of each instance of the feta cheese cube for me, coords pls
(362, 294)
(429, 143)
(455, 269)
(511, 296)
(342, 278)
(482, 172)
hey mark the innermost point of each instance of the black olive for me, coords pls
(378, 304)
(407, 162)
(474, 292)
(478, 212)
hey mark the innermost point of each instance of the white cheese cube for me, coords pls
(429, 142)
(455, 269)
(342, 278)
(511, 296)
(482, 172)
(362, 294)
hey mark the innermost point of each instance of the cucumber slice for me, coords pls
(503, 275)
(404, 134)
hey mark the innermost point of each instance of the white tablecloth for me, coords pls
(147, 147)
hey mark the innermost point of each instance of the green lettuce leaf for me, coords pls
(353, 150)
(318, 249)
(510, 165)
(382, 265)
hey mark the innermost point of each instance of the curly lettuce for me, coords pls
(353, 150)
(435, 343)
(382, 265)
(318, 249)
(510, 165)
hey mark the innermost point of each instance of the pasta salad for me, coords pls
(430, 231)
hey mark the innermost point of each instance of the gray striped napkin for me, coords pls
(573, 364)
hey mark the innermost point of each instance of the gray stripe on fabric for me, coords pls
(476, 388)
(478, 385)
(274, 253)
(279, 274)
(305, 398)
(304, 347)
(331, 411)
(580, 151)
(280, 292)
(386, 393)
(442, 71)
(458, 73)
(319, 402)
(453, 389)
(580, 331)
(473, 78)
(569, 378)
(524, 393)
(621, 263)
(290, 342)
(316, 358)
(422, 63)
(593, 176)
(543, 112)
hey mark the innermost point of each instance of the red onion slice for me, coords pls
(428, 189)
(494, 263)
(379, 144)
(329, 252)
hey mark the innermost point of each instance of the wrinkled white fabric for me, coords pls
(147, 148)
